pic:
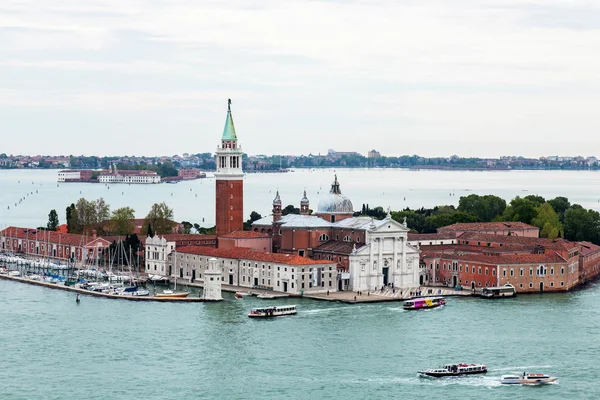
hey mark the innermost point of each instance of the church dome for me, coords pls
(335, 202)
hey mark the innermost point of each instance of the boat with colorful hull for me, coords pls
(424, 303)
(527, 379)
(455, 370)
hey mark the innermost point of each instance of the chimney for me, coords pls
(94, 234)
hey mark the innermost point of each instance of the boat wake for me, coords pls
(320, 310)
(479, 381)
(520, 368)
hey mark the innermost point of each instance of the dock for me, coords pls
(105, 295)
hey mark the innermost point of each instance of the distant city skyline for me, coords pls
(475, 78)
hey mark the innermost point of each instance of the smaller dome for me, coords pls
(277, 200)
(304, 199)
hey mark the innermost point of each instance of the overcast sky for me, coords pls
(434, 78)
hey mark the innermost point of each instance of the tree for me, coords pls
(161, 218)
(521, 209)
(486, 208)
(52, 220)
(72, 220)
(187, 227)
(122, 221)
(91, 215)
(150, 232)
(290, 210)
(254, 216)
(197, 227)
(560, 205)
(438, 221)
(582, 225)
(548, 222)
(415, 221)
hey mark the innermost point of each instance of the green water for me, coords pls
(52, 348)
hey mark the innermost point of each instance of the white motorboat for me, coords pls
(268, 312)
(527, 379)
(455, 370)
(265, 296)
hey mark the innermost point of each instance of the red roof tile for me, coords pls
(46, 236)
(244, 235)
(507, 259)
(487, 226)
(558, 243)
(190, 237)
(432, 236)
(249, 254)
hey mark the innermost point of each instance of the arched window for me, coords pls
(347, 239)
(323, 238)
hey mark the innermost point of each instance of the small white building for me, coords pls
(128, 176)
(212, 281)
(68, 174)
(156, 251)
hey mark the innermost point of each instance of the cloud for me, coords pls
(328, 71)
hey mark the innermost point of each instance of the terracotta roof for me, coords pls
(487, 226)
(587, 248)
(249, 254)
(46, 236)
(462, 249)
(432, 236)
(558, 243)
(335, 246)
(507, 259)
(244, 235)
(190, 237)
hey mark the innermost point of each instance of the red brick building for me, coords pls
(493, 228)
(481, 260)
(229, 181)
(65, 247)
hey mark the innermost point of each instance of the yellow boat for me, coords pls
(172, 294)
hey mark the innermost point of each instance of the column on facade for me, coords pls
(403, 265)
(379, 262)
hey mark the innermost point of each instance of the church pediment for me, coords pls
(388, 225)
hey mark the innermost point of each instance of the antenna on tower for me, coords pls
(229, 105)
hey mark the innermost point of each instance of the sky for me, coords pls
(435, 78)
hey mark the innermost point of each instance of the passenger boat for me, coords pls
(275, 311)
(507, 290)
(455, 370)
(423, 303)
(527, 379)
(172, 294)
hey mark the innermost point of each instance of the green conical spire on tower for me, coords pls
(229, 130)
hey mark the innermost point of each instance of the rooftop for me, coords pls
(241, 253)
(432, 236)
(244, 235)
(487, 226)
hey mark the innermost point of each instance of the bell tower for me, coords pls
(304, 204)
(229, 181)
(276, 208)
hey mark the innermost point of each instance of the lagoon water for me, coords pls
(194, 201)
(52, 348)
